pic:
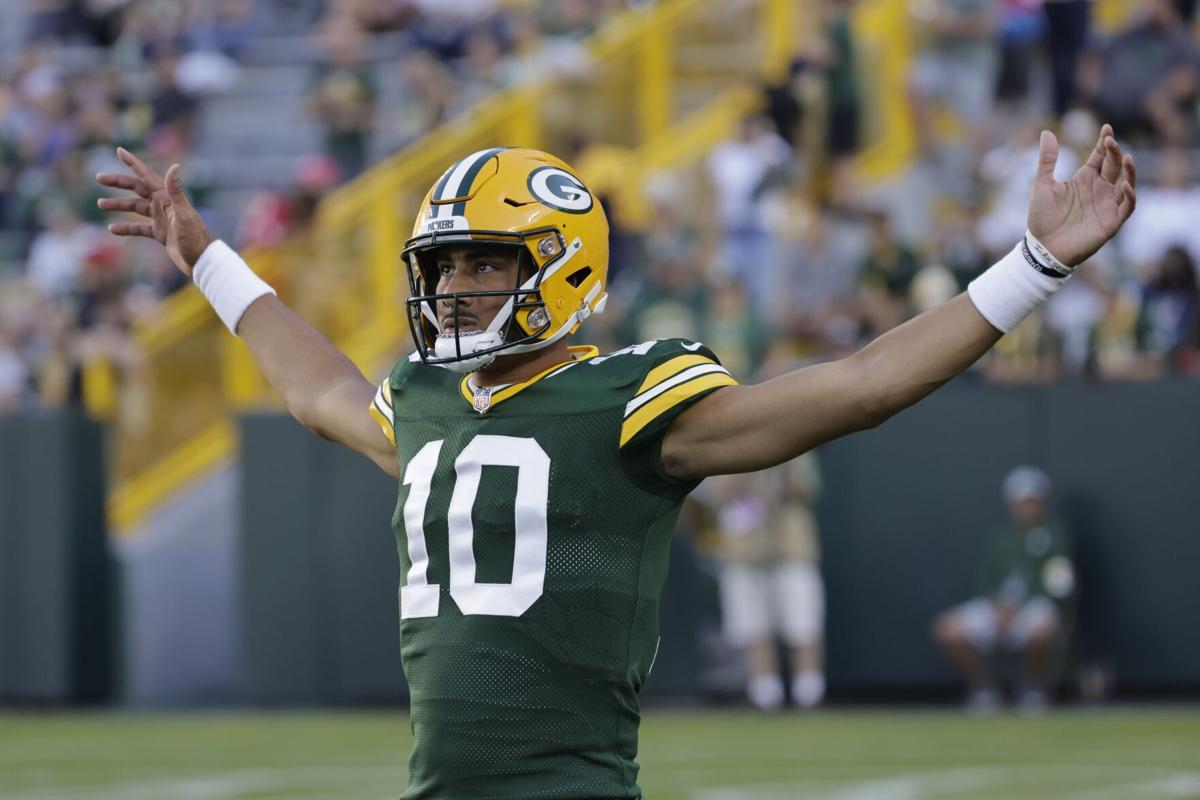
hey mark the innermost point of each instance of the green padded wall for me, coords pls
(907, 510)
(56, 633)
(909, 506)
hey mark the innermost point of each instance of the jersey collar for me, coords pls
(581, 353)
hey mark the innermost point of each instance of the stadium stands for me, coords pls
(237, 91)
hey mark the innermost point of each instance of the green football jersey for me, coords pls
(533, 528)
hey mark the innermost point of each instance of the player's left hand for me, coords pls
(1076, 217)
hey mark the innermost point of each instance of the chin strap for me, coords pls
(448, 346)
(445, 347)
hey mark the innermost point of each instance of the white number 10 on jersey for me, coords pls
(418, 597)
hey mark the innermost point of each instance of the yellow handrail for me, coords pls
(883, 38)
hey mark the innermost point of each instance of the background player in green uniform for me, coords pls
(539, 483)
(1025, 599)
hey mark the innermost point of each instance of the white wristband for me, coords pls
(228, 283)
(1013, 287)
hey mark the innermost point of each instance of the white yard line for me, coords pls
(1179, 784)
(214, 787)
(1120, 782)
(311, 781)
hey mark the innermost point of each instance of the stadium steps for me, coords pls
(302, 50)
(241, 172)
(13, 23)
(253, 136)
(271, 80)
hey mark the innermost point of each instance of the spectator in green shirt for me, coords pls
(1027, 582)
(342, 98)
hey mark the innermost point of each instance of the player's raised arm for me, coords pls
(320, 386)
(743, 428)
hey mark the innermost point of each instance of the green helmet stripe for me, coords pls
(460, 208)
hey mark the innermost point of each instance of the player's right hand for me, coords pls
(173, 222)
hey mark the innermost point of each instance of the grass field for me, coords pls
(848, 755)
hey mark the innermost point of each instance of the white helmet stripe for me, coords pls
(453, 187)
(501, 317)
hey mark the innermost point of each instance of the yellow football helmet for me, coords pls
(522, 198)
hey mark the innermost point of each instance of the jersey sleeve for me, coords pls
(381, 410)
(676, 375)
(391, 389)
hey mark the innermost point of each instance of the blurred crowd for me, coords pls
(446, 58)
(453, 56)
(79, 77)
(775, 251)
(84, 78)
(789, 256)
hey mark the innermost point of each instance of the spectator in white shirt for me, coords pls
(1168, 215)
(58, 253)
(741, 169)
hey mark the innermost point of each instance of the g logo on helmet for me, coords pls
(559, 189)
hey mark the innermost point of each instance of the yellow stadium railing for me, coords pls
(644, 89)
(185, 429)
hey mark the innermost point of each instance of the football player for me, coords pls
(539, 481)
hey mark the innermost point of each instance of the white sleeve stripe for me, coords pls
(380, 397)
(683, 377)
(563, 368)
(382, 406)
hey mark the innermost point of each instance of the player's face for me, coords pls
(473, 268)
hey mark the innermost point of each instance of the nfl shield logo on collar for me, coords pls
(483, 400)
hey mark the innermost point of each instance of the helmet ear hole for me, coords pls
(577, 277)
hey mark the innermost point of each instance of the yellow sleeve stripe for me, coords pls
(683, 377)
(388, 430)
(653, 409)
(669, 368)
(381, 410)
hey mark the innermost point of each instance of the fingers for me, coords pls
(1047, 157)
(123, 182)
(175, 183)
(1126, 200)
(1096, 159)
(135, 205)
(1129, 171)
(141, 170)
(1126, 187)
(1110, 168)
(132, 229)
